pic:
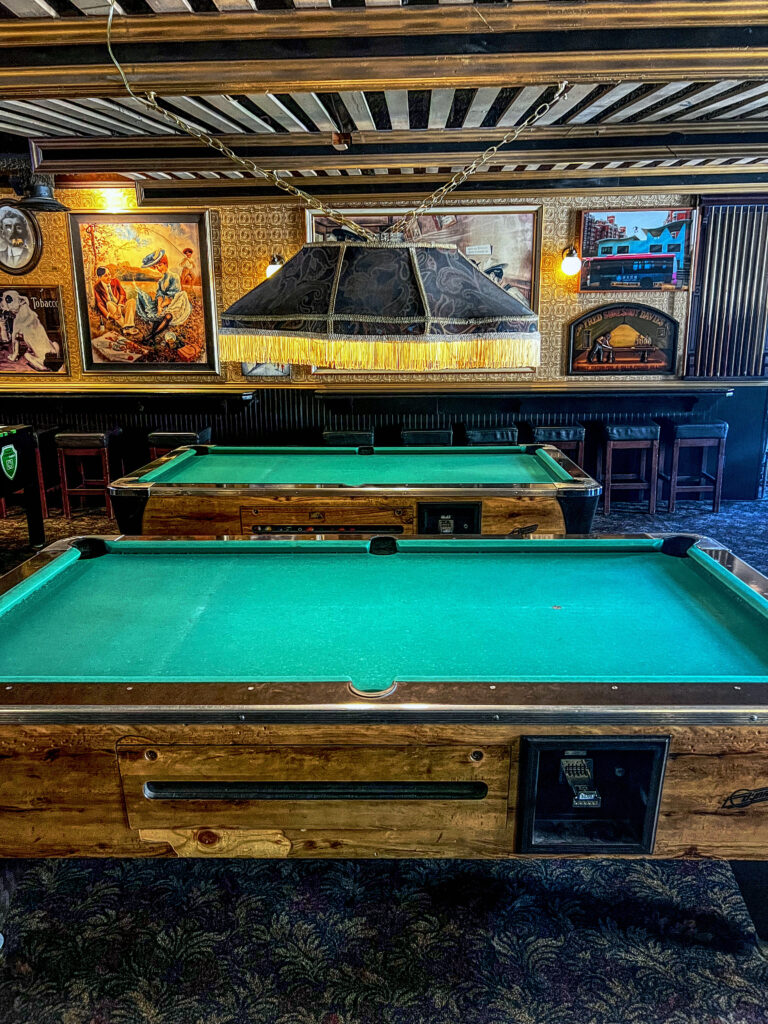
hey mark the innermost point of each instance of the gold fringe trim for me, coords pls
(461, 352)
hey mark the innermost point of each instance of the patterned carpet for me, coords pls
(385, 942)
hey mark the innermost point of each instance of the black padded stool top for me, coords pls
(561, 432)
(631, 431)
(44, 435)
(693, 429)
(177, 438)
(493, 435)
(95, 439)
(426, 437)
(348, 438)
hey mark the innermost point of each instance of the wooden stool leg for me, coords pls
(607, 477)
(719, 475)
(654, 478)
(673, 475)
(580, 454)
(41, 483)
(3, 509)
(65, 505)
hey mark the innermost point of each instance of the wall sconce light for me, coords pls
(274, 264)
(571, 262)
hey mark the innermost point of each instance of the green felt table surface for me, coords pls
(555, 611)
(344, 466)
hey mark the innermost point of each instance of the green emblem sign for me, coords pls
(9, 460)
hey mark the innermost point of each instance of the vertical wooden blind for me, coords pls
(728, 333)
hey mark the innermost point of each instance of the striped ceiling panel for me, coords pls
(586, 105)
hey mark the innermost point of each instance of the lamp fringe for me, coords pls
(460, 352)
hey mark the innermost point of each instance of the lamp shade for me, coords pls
(381, 306)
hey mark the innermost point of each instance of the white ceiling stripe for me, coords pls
(237, 112)
(561, 108)
(440, 103)
(43, 114)
(690, 101)
(397, 104)
(594, 109)
(96, 8)
(30, 8)
(519, 105)
(83, 109)
(28, 126)
(359, 111)
(132, 111)
(189, 105)
(277, 110)
(728, 101)
(661, 92)
(315, 110)
(235, 5)
(481, 103)
(169, 6)
(758, 104)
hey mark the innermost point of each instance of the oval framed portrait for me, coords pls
(21, 241)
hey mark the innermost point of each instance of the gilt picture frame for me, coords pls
(145, 297)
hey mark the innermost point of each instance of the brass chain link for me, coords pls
(149, 100)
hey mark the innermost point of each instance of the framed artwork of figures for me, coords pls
(21, 241)
(32, 331)
(636, 250)
(145, 292)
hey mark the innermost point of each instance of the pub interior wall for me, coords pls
(245, 236)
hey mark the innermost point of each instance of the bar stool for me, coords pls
(45, 460)
(78, 448)
(633, 437)
(348, 438)
(693, 434)
(568, 437)
(427, 437)
(492, 435)
(161, 441)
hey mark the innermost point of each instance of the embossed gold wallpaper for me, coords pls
(244, 237)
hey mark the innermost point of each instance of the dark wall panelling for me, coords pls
(296, 416)
(728, 325)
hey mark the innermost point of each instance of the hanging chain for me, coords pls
(149, 100)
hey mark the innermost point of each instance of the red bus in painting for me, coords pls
(644, 271)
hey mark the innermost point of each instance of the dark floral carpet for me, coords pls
(383, 942)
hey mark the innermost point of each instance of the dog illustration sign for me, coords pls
(144, 287)
(9, 460)
(31, 333)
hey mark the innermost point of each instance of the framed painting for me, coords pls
(32, 331)
(622, 338)
(145, 292)
(21, 241)
(636, 250)
(504, 241)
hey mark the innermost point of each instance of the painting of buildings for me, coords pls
(636, 250)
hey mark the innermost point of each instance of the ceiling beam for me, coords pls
(522, 16)
(385, 149)
(411, 188)
(534, 42)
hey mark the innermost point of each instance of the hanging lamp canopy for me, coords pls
(381, 306)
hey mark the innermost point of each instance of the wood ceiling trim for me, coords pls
(410, 149)
(442, 71)
(523, 16)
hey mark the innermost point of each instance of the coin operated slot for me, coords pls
(600, 797)
(449, 518)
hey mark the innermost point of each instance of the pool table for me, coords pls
(317, 697)
(212, 490)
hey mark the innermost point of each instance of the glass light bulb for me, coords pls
(571, 262)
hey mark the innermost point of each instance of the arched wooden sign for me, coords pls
(622, 338)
